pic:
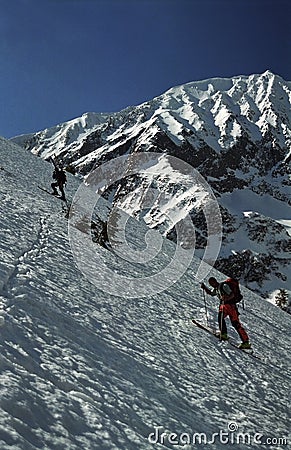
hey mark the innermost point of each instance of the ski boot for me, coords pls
(245, 345)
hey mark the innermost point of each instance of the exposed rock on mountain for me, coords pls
(236, 132)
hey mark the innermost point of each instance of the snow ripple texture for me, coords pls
(82, 369)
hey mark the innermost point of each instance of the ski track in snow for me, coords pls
(21, 273)
(81, 369)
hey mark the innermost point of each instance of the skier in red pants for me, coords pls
(227, 308)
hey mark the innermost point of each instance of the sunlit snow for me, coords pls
(82, 369)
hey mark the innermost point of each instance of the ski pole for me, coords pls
(206, 312)
(221, 312)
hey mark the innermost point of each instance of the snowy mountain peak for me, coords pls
(245, 104)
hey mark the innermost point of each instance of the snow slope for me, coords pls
(83, 369)
(235, 131)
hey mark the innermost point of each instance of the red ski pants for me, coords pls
(231, 311)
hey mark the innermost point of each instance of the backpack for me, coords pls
(60, 176)
(234, 286)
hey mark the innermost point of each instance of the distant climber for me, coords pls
(100, 234)
(60, 176)
(103, 235)
(228, 293)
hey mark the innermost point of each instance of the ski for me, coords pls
(211, 331)
(107, 245)
(50, 193)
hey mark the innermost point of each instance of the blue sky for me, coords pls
(62, 58)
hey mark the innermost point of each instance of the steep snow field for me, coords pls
(82, 369)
